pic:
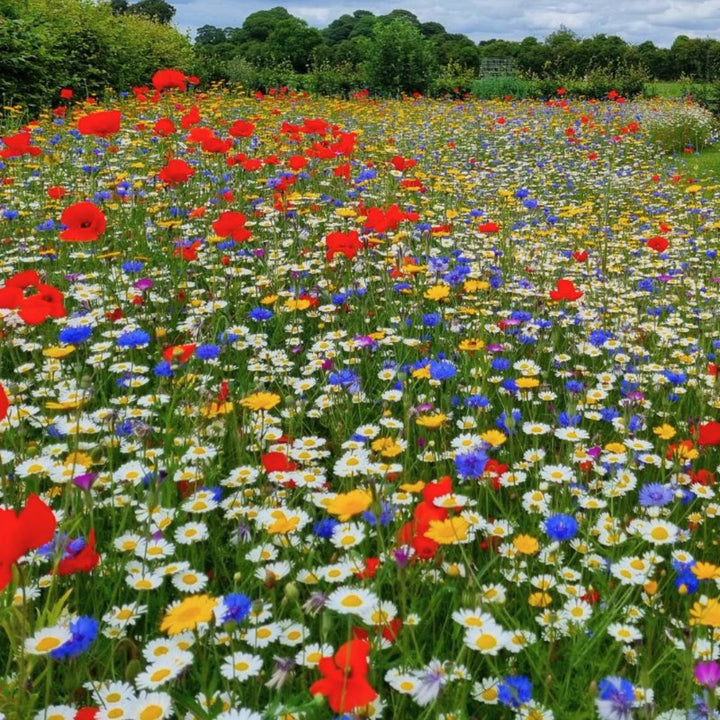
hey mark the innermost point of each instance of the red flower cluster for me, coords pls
(168, 79)
(36, 308)
(346, 244)
(103, 124)
(413, 532)
(344, 681)
(232, 224)
(380, 221)
(85, 561)
(176, 172)
(21, 533)
(17, 145)
(565, 290)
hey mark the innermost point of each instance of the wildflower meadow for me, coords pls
(315, 408)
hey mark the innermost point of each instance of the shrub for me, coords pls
(489, 88)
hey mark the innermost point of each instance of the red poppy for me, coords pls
(401, 164)
(344, 682)
(297, 162)
(168, 79)
(4, 403)
(380, 221)
(103, 124)
(346, 244)
(85, 222)
(164, 127)
(488, 227)
(277, 462)
(179, 353)
(232, 224)
(19, 144)
(46, 303)
(709, 433)
(85, 561)
(176, 172)
(56, 192)
(658, 243)
(86, 713)
(565, 290)
(241, 128)
(191, 118)
(580, 256)
(32, 527)
(66, 93)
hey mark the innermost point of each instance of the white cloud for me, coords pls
(634, 20)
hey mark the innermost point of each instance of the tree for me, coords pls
(119, 7)
(294, 41)
(209, 35)
(401, 60)
(157, 10)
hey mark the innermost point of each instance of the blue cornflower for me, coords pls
(561, 527)
(442, 370)
(499, 364)
(345, 378)
(260, 314)
(686, 582)
(163, 369)
(616, 700)
(655, 495)
(324, 528)
(207, 352)
(471, 465)
(84, 630)
(132, 266)
(75, 335)
(134, 339)
(515, 691)
(431, 319)
(237, 607)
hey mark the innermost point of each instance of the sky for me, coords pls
(634, 20)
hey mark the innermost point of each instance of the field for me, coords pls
(315, 408)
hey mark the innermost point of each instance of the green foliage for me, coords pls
(490, 88)
(401, 60)
(335, 80)
(76, 43)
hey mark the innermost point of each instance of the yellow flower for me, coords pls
(615, 447)
(188, 613)
(473, 286)
(78, 458)
(433, 421)
(437, 292)
(422, 373)
(268, 299)
(471, 345)
(705, 571)
(527, 383)
(706, 613)
(447, 532)
(260, 401)
(386, 446)
(540, 599)
(413, 487)
(494, 438)
(57, 352)
(295, 304)
(214, 409)
(526, 544)
(664, 431)
(283, 524)
(346, 505)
